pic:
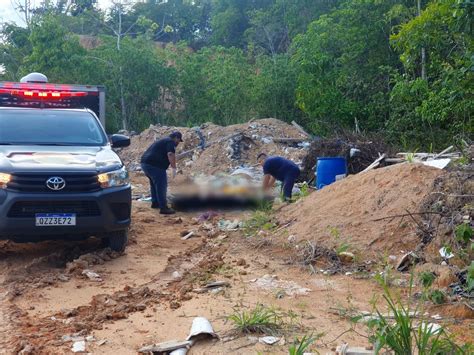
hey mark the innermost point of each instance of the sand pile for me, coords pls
(354, 211)
(238, 145)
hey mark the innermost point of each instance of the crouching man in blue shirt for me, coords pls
(281, 169)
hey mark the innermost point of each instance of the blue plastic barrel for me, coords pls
(329, 170)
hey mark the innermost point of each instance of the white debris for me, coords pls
(445, 253)
(271, 282)
(436, 317)
(176, 275)
(228, 225)
(79, 347)
(438, 163)
(93, 276)
(268, 340)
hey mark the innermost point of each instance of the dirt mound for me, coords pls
(354, 213)
(237, 145)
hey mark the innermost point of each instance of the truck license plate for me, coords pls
(55, 220)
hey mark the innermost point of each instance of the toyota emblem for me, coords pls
(56, 183)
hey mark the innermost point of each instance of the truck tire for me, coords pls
(117, 241)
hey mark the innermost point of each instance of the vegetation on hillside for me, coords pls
(400, 67)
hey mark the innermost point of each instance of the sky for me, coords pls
(9, 14)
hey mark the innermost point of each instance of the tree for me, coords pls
(345, 62)
(446, 108)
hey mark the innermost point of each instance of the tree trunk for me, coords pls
(423, 51)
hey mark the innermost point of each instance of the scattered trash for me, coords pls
(145, 199)
(176, 275)
(407, 260)
(79, 346)
(216, 286)
(228, 225)
(207, 216)
(268, 340)
(344, 349)
(222, 237)
(446, 253)
(93, 276)
(187, 236)
(166, 346)
(102, 342)
(271, 282)
(439, 163)
(201, 329)
(436, 317)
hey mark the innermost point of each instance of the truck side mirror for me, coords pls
(119, 141)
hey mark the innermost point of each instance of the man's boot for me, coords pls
(167, 210)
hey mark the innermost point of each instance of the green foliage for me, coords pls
(345, 59)
(470, 277)
(464, 233)
(437, 297)
(260, 220)
(326, 64)
(261, 319)
(300, 346)
(405, 335)
(440, 107)
(215, 85)
(426, 279)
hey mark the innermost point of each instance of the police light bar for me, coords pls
(42, 95)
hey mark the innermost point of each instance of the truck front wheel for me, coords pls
(117, 241)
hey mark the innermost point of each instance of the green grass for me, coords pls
(405, 335)
(426, 279)
(300, 346)
(261, 320)
(437, 297)
(260, 220)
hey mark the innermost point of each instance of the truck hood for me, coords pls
(15, 159)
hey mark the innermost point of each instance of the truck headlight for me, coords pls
(114, 178)
(4, 180)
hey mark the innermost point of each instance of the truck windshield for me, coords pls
(50, 127)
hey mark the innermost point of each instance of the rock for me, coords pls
(110, 302)
(241, 262)
(176, 275)
(91, 275)
(27, 350)
(79, 347)
(140, 307)
(69, 312)
(63, 278)
(291, 239)
(446, 277)
(406, 261)
(346, 257)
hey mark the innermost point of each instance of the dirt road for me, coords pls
(149, 294)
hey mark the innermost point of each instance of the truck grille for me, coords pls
(28, 209)
(75, 182)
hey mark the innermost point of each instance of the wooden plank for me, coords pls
(374, 164)
(447, 150)
(166, 346)
(301, 129)
(394, 160)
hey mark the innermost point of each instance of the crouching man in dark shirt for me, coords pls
(281, 169)
(155, 161)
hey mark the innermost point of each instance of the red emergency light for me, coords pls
(34, 93)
